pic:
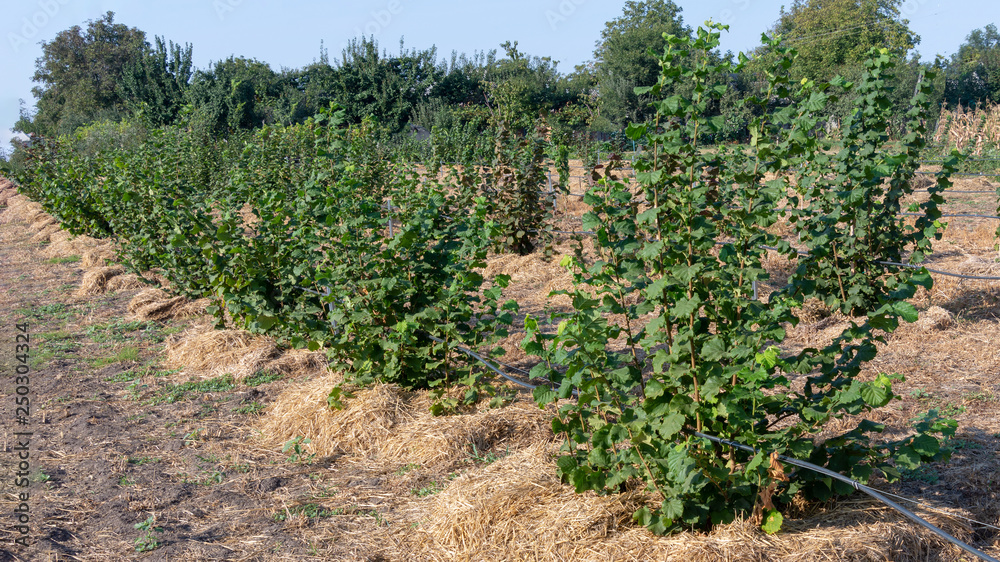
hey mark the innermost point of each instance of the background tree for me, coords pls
(835, 36)
(623, 56)
(157, 82)
(79, 74)
(369, 83)
(974, 71)
(233, 94)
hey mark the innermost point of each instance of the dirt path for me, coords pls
(117, 441)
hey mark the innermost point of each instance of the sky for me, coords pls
(287, 34)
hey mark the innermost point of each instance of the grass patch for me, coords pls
(262, 377)
(67, 259)
(119, 331)
(50, 337)
(126, 354)
(171, 393)
(428, 490)
(250, 409)
(56, 311)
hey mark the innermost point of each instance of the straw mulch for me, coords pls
(935, 318)
(20, 209)
(95, 282)
(98, 257)
(7, 190)
(62, 244)
(204, 352)
(127, 282)
(158, 305)
(361, 427)
(516, 509)
(6, 195)
(44, 234)
(395, 426)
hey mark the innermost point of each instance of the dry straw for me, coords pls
(95, 281)
(516, 509)
(20, 209)
(360, 428)
(395, 426)
(204, 352)
(127, 282)
(157, 304)
(62, 244)
(6, 195)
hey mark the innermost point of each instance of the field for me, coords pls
(156, 437)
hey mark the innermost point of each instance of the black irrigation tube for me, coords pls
(962, 175)
(860, 487)
(796, 462)
(479, 358)
(964, 215)
(909, 266)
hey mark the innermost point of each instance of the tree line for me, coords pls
(107, 71)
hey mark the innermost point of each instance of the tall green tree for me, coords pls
(370, 83)
(157, 82)
(626, 56)
(974, 71)
(79, 74)
(835, 36)
(233, 94)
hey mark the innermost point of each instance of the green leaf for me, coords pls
(906, 310)
(772, 522)
(544, 395)
(670, 425)
(875, 395)
(926, 445)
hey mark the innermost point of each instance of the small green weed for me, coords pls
(428, 490)
(476, 457)
(960, 444)
(139, 461)
(171, 393)
(983, 396)
(923, 473)
(250, 409)
(298, 453)
(193, 437)
(66, 259)
(407, 468)
(262, 377)
(148, 541)
(125, 376)
(309, 510)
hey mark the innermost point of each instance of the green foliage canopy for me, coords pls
(974, 72)
(623, 56)
(830, 35)
(79, 72)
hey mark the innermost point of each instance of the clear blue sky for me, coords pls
(288, 34)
